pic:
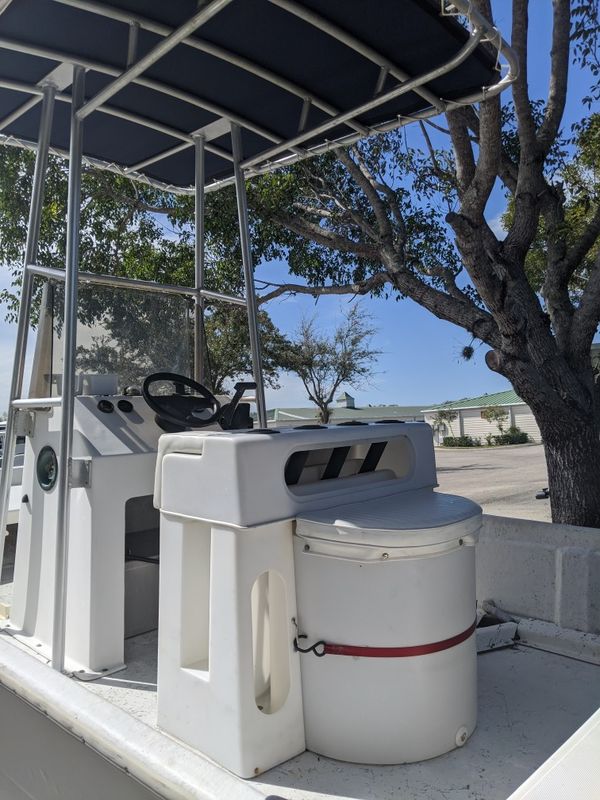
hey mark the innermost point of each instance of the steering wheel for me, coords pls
(179, 408)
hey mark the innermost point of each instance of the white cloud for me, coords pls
(496, 225)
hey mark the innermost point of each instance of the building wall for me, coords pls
(475, 425)
(437, 435)
(525, 420)
(470, 423)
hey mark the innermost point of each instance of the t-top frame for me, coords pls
(279, 153)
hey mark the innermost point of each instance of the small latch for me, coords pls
(24, 422)
(81, 473)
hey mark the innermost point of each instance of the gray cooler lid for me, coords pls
(405, 519)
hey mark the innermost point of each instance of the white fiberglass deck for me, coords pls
(530, 702)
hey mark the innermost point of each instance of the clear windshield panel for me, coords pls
(123, 335)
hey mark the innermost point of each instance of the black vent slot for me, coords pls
(294, 467)
(335, 463)
(373, 456)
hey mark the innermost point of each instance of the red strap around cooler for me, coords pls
(397, 652)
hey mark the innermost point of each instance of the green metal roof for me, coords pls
(507, 398)
(368, 412)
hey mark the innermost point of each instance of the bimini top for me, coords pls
(297, 76)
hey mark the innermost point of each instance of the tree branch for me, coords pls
(367, 183)
(448, 278)
(463, 150)
(440, 173)
(508, 172)
(460, 311)
(478, 193)
(587, 315)
(484, 175)
(531, 185)
(348, 215)
(557, 93)
(525, 121)
(396, 211)
(360, 288)
(503, 286)
(584, 244)
(437, 127)
(322, 191)
(153, 209)
(322, 236)
(562, 263)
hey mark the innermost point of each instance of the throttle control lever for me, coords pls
(228, 410)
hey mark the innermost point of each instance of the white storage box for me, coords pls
(386, 597)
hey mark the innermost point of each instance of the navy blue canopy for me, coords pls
(296, 76)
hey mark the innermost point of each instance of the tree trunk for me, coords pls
(562, 399)
(573, 459)
(324, 414)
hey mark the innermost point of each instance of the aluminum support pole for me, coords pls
(31, 249)
(199, 343)
(37, 403)
(242, 208)
(225, 298)
(68, 384)
(97, 279)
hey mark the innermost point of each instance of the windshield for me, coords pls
(123, 333)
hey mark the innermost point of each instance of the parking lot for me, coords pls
(503, 480)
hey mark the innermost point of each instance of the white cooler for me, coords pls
(386, 615)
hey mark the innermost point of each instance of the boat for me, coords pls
(202, 607)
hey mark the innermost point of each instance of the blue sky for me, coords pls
(420, 362)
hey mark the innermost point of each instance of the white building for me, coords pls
(470, 422)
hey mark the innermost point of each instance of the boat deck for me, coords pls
(530, 702)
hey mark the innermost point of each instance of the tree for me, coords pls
(495, 414)
(323, 363)
(228, 351)
(385, 218)
(443, 417)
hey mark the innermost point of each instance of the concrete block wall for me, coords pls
(541, 570)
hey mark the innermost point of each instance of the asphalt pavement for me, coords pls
(503, 480)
